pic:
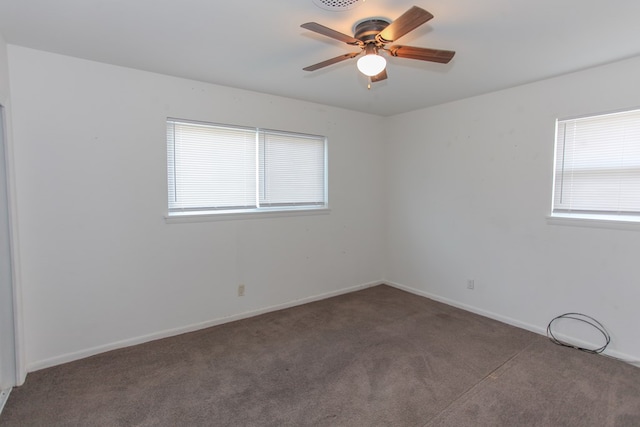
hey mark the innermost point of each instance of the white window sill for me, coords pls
(595, 221)
(236, 215)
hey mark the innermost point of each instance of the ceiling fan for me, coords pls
(372, 36)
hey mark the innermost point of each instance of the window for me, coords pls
(597, 167)
(214, 168)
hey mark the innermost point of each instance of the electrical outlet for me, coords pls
(240, 290)
(471, 284)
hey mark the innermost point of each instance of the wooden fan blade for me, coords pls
(421, 53)
(331, 61)
(408, 21)
(326, 31)
(379, 77)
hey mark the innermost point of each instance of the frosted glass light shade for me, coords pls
(371, 64)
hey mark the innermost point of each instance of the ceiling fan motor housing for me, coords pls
(369, 29)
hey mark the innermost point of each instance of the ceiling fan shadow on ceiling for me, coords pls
(372, 37)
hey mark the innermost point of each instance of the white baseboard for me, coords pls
(4, 396)
(70, 357)
(514, 322)
(466, 307)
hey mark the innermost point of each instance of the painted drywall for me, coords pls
(469, 190)
(7, 339)
(4, 70)
(101, 268)
(455, 192)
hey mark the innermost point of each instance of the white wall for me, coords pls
(460, 191)
(7, 337)
(102, 269)
(469, 189)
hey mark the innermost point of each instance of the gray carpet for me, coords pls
(377, 357)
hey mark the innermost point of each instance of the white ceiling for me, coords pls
(259, 45)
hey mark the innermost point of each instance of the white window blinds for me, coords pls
(291, 170)
(217, 168)
(597, 167)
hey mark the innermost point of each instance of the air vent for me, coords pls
(337, 5)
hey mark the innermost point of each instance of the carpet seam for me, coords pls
(476, 385)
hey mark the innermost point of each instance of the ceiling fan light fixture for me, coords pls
(371, 64)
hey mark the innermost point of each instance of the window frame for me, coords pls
(583, 218)
(203, 214)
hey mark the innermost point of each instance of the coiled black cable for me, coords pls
(581, 318)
